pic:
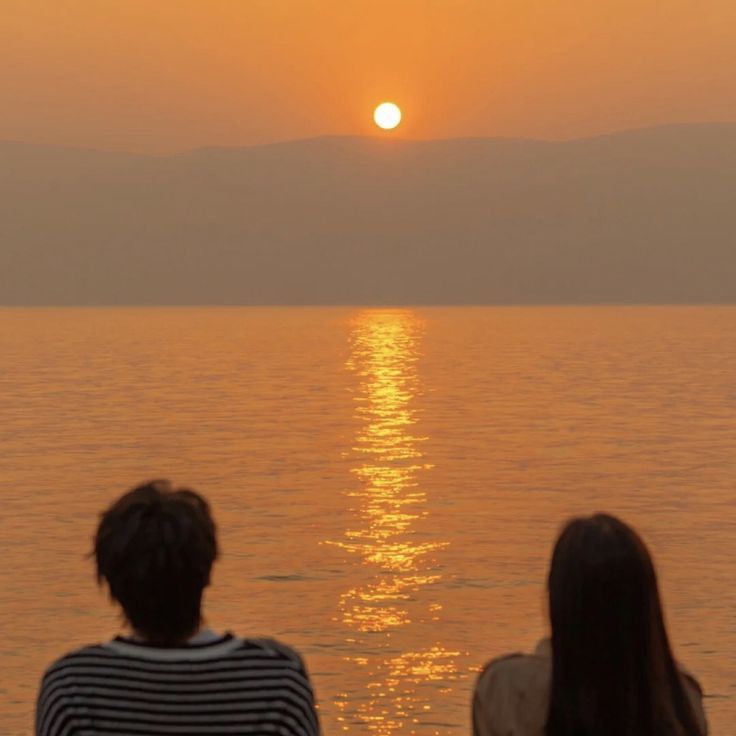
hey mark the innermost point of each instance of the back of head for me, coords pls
(613, 671)
(155, 547)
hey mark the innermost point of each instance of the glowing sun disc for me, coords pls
(387, 115)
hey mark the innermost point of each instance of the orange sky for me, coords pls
(161, 75)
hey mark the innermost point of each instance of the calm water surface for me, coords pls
(387, 483)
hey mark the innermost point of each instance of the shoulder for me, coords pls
(291, 665)
(60, 685)
(76, 658)
(511, 695)
(274, 650)
(514, 672)
(498, 666)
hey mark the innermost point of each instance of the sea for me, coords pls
(387, 482)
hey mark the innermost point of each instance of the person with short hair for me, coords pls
(154, 548)
(608, 669)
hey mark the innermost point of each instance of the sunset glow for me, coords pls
(119, 75)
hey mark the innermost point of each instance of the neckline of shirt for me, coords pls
(205, 645)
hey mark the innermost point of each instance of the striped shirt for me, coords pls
(222, 685)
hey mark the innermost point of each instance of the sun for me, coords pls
(387, 115)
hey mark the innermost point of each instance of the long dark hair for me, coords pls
(612, 667)
(155, 547)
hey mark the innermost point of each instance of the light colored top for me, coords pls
(512, 695)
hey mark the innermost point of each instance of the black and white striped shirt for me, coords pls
(222, 685)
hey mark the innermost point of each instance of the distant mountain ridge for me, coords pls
(645, 216)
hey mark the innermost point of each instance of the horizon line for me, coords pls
(392, 305)
(388, 137)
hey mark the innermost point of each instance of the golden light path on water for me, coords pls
(396, 566)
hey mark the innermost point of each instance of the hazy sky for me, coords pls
(161, 75)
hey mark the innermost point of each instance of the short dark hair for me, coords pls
(155, 547)
(612, 666)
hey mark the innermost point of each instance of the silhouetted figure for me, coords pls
(608, 670)
(155, 548)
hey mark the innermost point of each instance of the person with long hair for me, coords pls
(608, 669)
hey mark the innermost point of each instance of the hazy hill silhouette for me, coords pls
(640, 216)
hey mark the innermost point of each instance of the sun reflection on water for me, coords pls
(393, 546)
